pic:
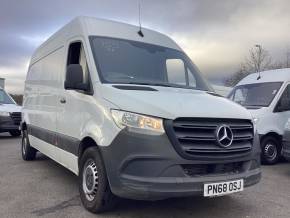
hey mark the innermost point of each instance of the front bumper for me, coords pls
(148, 168)
(8, 124)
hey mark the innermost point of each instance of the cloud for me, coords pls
(216, 34)
(15, 76)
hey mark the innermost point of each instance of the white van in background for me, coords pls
(10, 114)
(132, 116)
(267, 97)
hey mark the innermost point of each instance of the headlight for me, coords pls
(138, 123)
(4, 114)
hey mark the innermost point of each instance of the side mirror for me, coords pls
(74, 78)
(284, 105)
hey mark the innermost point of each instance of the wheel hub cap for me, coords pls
(90, 180)
(270, 151)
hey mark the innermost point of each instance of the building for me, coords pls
(2, 83)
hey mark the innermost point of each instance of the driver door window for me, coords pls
(191, 78)
(176, 71)
(284, 102)
(77, 55)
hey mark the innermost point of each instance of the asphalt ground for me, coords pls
(43, 188)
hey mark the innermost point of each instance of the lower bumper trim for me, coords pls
(162, 188)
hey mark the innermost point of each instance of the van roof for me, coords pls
(280, 75)
(87, 26)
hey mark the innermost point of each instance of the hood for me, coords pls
(10, 108)
(258, 113)
(171, 103)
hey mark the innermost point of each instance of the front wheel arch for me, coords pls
(86, 143)
(276, 139)
(277, 136)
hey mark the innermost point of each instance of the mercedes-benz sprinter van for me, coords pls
(267, 96)
(10, 114)
(130, 114)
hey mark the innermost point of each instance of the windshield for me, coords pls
(131, 62)
(259, 94)
(4, 98)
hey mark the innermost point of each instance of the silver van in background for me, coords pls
(10, 114)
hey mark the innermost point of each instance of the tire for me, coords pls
(28, 152)
(271, 150)
(94, 188)
(15, 133)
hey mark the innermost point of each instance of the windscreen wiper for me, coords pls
(151, 84)
(214, 94)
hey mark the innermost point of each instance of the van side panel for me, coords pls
(42, 90)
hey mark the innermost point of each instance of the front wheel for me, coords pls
(271, 150)
(95, 192)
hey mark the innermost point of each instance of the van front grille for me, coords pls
(213, 169)
(197, 137)
(16, 117)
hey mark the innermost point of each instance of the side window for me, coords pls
(175, 71)
(284, 102)
(191, 78)
(76, 55)
(240, 96)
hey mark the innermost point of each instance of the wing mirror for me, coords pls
(74, 78)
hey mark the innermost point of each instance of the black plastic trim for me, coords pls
(137, 88)
(64, 142)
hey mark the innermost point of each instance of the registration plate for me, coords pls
(223, 188)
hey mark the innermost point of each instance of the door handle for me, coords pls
(62, 100)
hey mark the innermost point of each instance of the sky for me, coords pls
(216, 34)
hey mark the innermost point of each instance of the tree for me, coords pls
(17, 98)
(287, 64)
(258, 60)
(237, 76)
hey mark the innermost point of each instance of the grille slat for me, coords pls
(16, 117)
(201, 138)
(197, 136)
(213, 169)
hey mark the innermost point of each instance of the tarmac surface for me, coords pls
(43, 188)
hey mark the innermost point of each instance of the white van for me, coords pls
(267, 96)
(10, 114)
(131, 115)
